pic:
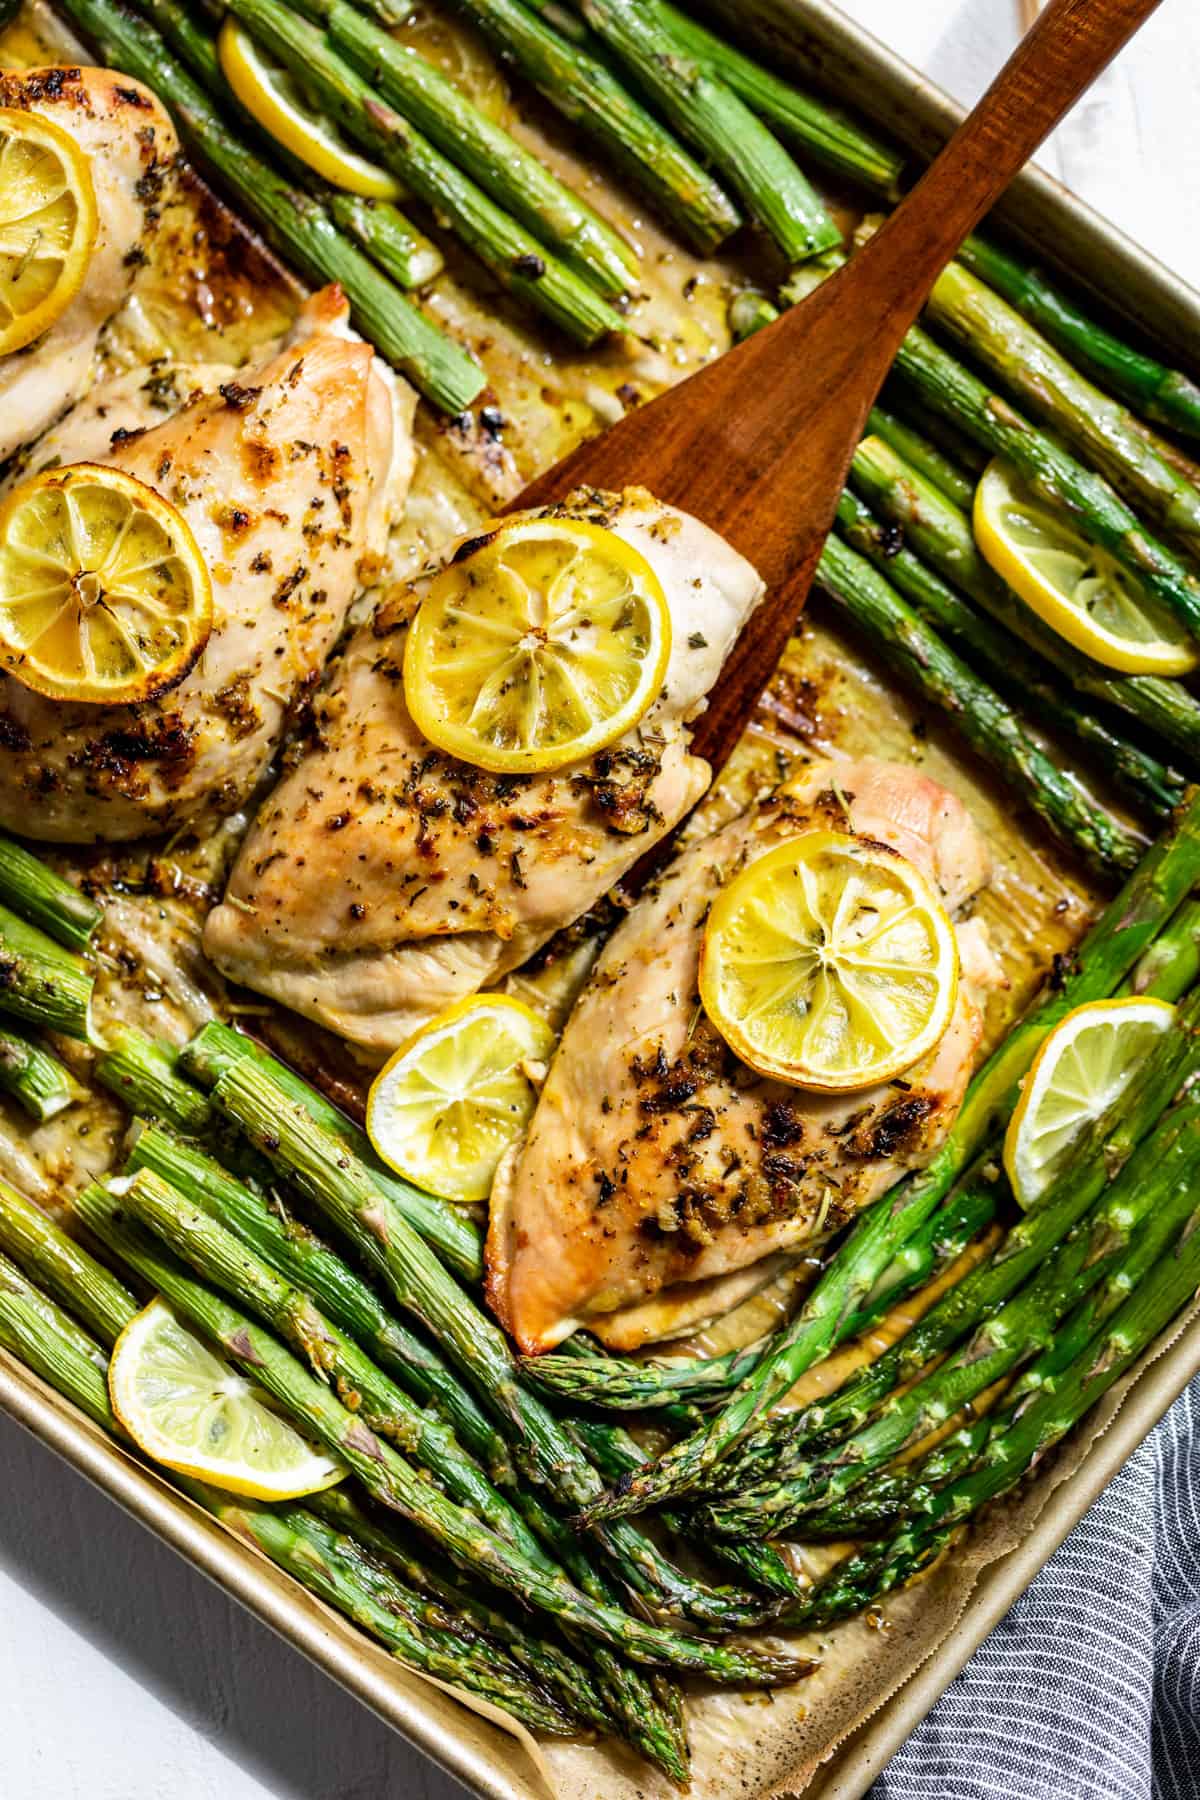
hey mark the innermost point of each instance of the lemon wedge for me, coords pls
(541, 641)
(1073, 584)
(104, 595)
(829, 962)
(191, 1412)
(1077, 1077)
(48, 224)
(274, 101)
(448, 1104)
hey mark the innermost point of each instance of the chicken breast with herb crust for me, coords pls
(287, 474)
(383, 879)
(661, 1176)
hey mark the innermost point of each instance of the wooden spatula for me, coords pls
(758, 443)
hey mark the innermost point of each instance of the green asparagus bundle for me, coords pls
(1161, 1176)
(946, 473)
(289, 217)
(937, 529)
(1024, 1440)
(1107, 954)
(1052, 472)
(452, 1231)
(623, 1385)
(986, 722)
(1172, 962)
(325, 1171)
(71, 1273)
(1157, 392)
(719, 126)
(390, 1479)
(518, 260)
(1150, 787)
(501, 165)
(583, 88)
(1017, 355)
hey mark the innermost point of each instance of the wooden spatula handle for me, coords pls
(1070, 44)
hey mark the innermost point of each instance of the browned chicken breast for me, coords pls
(286, 475)
(131, 147)
(661, 1175)
(383, 880)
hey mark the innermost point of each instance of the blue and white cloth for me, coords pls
(1090, 1688)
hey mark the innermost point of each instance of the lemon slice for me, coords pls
(104, 595)
(829, 962)
(1073, 584)
(539, 643)
(48, 224)
(448, 1104)
(191, 1412)
(274, 100)
(1078, 1076)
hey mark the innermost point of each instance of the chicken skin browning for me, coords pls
(286, 474)
(132, 151)
(661, 1177)
(384, 880)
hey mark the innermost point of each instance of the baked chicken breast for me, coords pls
(661, 1177)
(131, 147)
(287, 474)
(383, 880)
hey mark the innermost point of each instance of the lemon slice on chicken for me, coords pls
(1073, 584)
(104, 595)
(189, 1411)
(1077, 1077)
(452, 1099)
(48, 225)
(829, 962)
(541, 641)
(275, 101)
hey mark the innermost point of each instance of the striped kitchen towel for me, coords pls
(1090, 1688)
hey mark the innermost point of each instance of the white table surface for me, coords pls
(123, 1675)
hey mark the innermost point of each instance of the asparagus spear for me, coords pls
(1149, 786)
(1165, 395)
(391, 1480)
(453, 1233)
(19, 1296)
(853, 1584)
(1017, 355)
(503, 167)
(71, 1273)
(920, 453)
(621, 1385)
(332, 1178)
(289, 217)
(48, 1341)
(1172, 962)
(41, 982)
(899, 1493)
(1112, 947)
(583, 88)
(986, 722)
(1159, 1176)
(1051, 471)
(720, 126)
(391, 242)
(144, 1076)
(45, 899)
(832, 137)
(518, 260)
(939, 532)
(35, 1077)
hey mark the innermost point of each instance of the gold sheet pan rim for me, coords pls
(812, 34)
